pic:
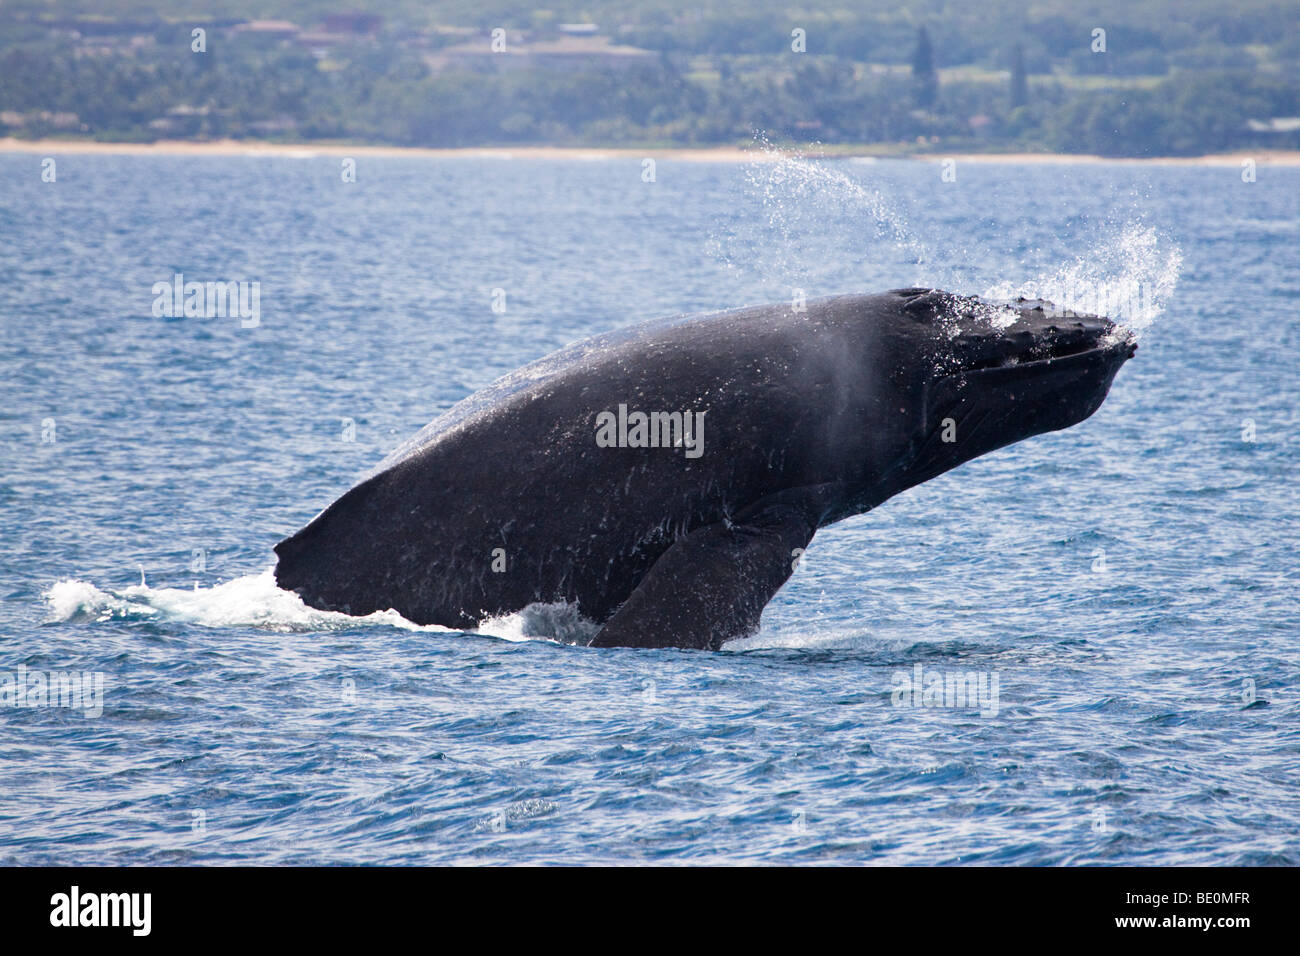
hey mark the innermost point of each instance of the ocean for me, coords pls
(1123, 592)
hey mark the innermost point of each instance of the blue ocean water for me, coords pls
(1130, 584)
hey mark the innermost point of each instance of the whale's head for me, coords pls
(1000, 373)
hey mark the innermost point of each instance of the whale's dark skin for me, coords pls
(811, 417)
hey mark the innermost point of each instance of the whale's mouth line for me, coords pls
(1067, 350)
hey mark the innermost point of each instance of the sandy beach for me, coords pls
(709, 154)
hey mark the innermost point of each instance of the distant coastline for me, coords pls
(717, 154)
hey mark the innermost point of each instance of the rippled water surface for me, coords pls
(1131, 583)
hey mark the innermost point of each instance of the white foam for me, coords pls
(255, 600)
(69, 599)
(560, 623)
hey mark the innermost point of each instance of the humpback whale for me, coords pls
(666, 477)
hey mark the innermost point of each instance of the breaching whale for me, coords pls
(666, 477)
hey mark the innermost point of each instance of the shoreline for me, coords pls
(714, 154)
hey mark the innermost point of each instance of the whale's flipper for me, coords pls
(711, 586)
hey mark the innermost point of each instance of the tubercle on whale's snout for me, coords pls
(1087, 335)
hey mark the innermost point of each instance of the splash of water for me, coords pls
(559, 622)
(807, 207)
(1129, 280)
(813, 215)
(255, 601)
(795, 190)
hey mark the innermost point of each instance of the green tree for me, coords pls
(1019, 81)
(924, 78)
